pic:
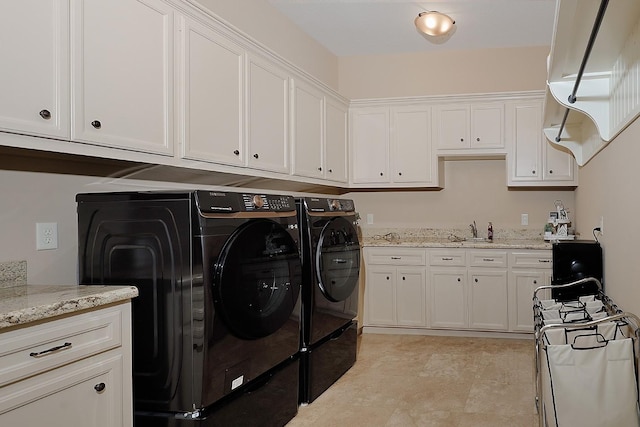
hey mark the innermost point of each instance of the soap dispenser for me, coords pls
(490, 232)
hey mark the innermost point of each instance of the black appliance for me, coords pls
(574, 260)
(216, 325)
(331, 267)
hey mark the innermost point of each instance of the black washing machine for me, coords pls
(331, 268)
(216, 325)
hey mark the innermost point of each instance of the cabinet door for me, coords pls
(307, 137)
(268, 105)
(380, 300)
(452, 126)
(370, 145)
(488, 302)
(559, 164)
(410, 297)
(212, 95)
(413, 154)
(525, 134)
(335, 140)
(448, 298)
(87, 393)
(522, 284)
(34, 77)
(123, 74)
(487, 126)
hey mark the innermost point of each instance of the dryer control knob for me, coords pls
(334, 205)
(258, 201)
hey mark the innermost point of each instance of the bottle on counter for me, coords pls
(490, 232)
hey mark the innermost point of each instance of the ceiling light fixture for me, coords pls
(434, 23)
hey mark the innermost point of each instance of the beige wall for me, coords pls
(609, 189)
(444, 73)
(474, 190)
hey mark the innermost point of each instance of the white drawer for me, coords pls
(452, 257)
(487, 258)
(396, 256)
(530, 259)
(34, 349)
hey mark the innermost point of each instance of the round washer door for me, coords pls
(257, 280)
(338, 259)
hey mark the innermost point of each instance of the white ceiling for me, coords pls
(371, 27)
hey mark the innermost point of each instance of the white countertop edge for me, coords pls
(441, 243)
(24, 304)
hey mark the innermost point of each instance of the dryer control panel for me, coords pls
(220, 202)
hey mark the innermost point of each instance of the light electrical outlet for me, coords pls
(369, 218)
(602, 226)
(524, 219)
(46, 235)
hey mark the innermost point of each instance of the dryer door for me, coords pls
(338, 259)
(257, 280)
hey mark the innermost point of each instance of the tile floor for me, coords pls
(408, 380)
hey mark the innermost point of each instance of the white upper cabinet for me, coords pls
(122, 74)
(532, 160)
(267, 116)
(34, 75)
(392, 147)
(474, 128)
(369, 145)
(335, 139)
(307, 125)
(211, 95)
(319, 133)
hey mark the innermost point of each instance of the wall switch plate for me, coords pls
(524, 219)
(369, 218)
(46, 235)
(602, 226)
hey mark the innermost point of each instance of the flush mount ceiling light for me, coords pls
(434, 24)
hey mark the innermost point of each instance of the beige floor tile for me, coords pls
(426, 381)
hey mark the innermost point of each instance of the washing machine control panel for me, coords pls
(315, 204)
(268, 202)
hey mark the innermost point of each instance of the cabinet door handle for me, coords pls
(535, 282)
(447, 259)
(478, 139)
(236, 152)
(475, 280)
(256, 156)
(404, 278)
(320, 169)
(45, 114)
(488, 259)
(100, 387)
(550, 171)
(330, 170)
(387, 277)
(396, 257)
(544, 260)
(381, 174)
(459, 279)
(533, 172)
(461, 139)
(51, 350)
(400, 173)
(96, 124)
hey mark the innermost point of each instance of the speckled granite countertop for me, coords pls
(419, 242)
(451, 238)
(29, 303)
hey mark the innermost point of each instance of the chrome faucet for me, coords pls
(474, 230)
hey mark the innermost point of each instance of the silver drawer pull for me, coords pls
(544, 260)
(488, 259)
(447, 259)
(396, 257)
(51, 350)
(340, 261)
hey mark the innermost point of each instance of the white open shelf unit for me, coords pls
(608, 95)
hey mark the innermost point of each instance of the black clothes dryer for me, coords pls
(331, 269)
(216, 326)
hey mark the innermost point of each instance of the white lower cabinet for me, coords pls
(71, 371)
(529, 270)
(395, 288)
(454, 288)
